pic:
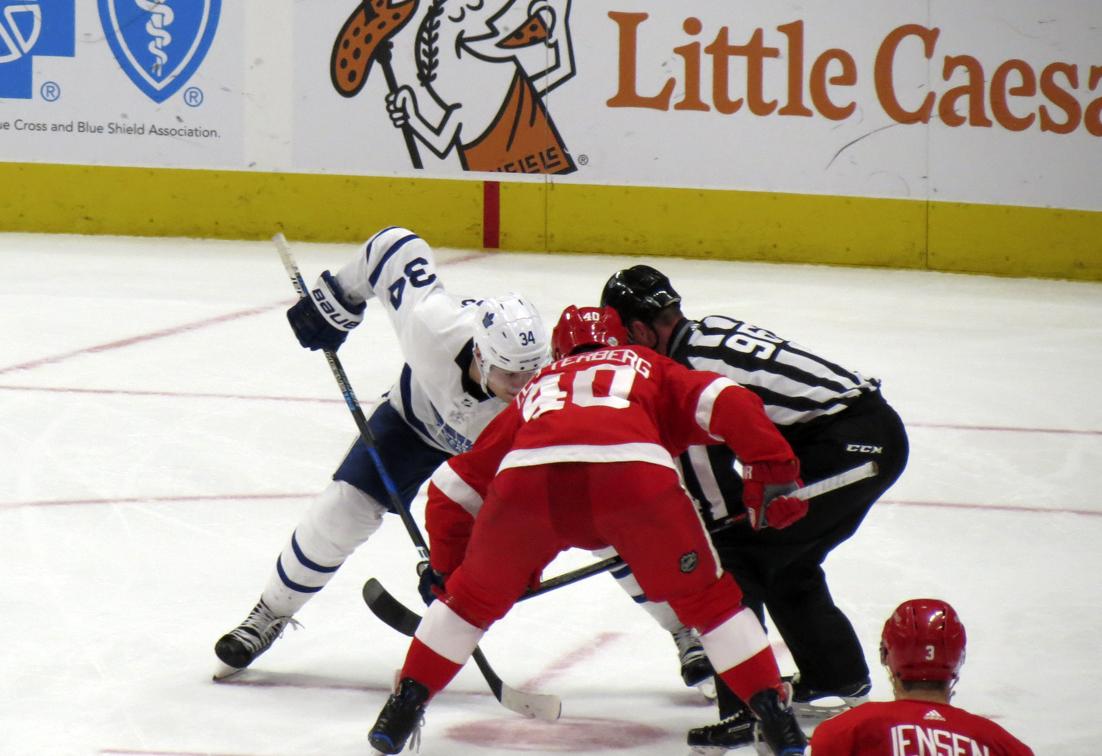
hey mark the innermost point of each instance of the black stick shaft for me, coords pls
(396, 502)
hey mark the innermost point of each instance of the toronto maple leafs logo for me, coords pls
(487, 320)
(159, 43)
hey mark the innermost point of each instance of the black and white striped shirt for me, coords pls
(799, 388)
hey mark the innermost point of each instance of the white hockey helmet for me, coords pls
(509, 335)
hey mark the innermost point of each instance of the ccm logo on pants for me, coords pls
(864, 448)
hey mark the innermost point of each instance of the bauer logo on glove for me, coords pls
(329, 298)
(323, 320)
(765, 489)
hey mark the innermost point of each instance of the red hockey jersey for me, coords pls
(913, 728)
(612, 405)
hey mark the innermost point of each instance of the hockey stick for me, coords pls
(573, 576)
(826, 485)
(403, 619)
(511, 698)
(353, 404)
(389, 609)
(818, 488)
(395, 614)
(834, 482)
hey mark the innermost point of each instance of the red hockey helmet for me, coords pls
(923, 640)
(586, 327)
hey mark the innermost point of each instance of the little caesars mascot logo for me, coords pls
(483, 70)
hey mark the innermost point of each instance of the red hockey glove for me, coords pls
(764, 489)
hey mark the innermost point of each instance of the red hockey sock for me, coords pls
(756, 673)
(428, 667)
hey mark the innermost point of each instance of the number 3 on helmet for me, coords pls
(923, 640)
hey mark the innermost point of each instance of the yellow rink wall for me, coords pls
(557, 217)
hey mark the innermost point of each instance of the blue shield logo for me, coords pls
(29, 29)
(159, 43)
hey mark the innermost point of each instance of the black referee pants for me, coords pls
(781, 570)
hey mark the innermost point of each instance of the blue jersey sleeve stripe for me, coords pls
(378, 271)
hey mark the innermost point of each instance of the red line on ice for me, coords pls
(185, 328)
(997, 507)
(151, 500)
(1005, 429)
(262, 398)
(121, 343)
(572, 659)
(261, 496)
(306, 683)
(172, 394)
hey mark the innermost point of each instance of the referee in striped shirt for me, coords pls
(835, 419)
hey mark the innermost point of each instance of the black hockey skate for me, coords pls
(777, 724)
(402, 716)
(695, 667)
(734, 731)
(238, 648)
(823, 703)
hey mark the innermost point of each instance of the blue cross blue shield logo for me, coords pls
(159, 43)
(29, 29)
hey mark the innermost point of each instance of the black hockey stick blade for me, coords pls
(396, 614)
(389, 609)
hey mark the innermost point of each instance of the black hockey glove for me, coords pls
(430, 584)
(323, 319)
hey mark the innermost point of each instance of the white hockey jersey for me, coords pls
(433, 393)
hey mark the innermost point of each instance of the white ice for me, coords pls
(161, 431)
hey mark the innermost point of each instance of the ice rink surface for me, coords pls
(161, 432)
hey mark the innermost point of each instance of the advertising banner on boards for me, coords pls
(964, 101)
(968, 101)
(121, 82)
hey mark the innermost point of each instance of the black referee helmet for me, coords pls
(639, 293)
